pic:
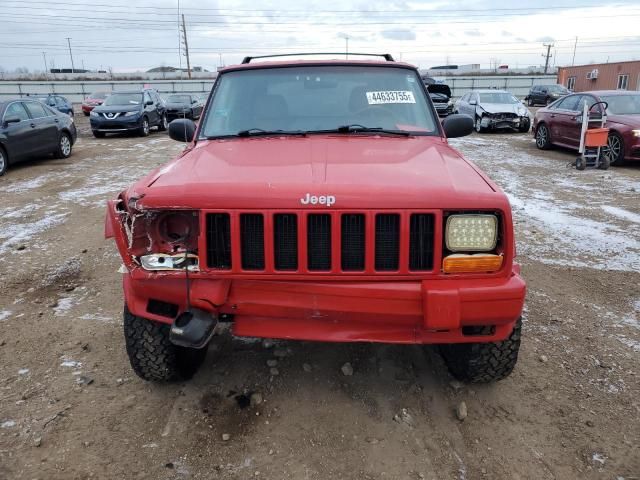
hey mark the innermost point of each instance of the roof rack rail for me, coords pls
(386, 56)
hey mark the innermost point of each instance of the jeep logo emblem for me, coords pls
(327, 200)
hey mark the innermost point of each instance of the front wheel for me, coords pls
(164, 124)
(144, 127)
(153, 357)
(4, 162)
(525, 125)
(64, 146)
(614, 150)
(483, 362)
(479, 127)
(543, 141)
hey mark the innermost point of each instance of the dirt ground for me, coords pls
(71, 408)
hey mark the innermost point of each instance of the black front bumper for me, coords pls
(443, 109)
(120, 124)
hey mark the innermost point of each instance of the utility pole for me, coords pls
(548, 56)
(573, 60)
(346, 39)
(44, 57)
(186, 46)
(70, 54)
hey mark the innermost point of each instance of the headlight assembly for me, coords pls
(94, 114)
(471, 233)
(635, 133)
(131, 114)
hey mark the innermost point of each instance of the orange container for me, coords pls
(596, 137)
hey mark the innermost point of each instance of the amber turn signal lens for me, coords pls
(479, 263)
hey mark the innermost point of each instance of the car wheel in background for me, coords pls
(483, 362)
(479, 127)
(97, 134)
(4, 161)
(64, 146)
(543, 142)
(580, 163)
(614, 150)
(164, 124)
(144, 127)
(530, 102)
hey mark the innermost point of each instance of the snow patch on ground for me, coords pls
(14, 234)
(68, 363)
(622, 213)
(4, 314)
(24, 185)
(8, 424)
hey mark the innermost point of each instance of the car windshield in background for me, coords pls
(179, 99)
(318, 98)
(124, 99)
(498, 98)
(99, 95)
(557, 89)
(623, 104)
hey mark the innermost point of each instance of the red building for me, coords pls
(601, 76)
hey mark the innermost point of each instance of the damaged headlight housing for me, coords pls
(163, 261)
(471, 233)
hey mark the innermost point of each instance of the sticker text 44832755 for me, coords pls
(390, 96)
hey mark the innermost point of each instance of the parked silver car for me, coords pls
(494, 109)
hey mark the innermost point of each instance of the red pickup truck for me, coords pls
(319, 200)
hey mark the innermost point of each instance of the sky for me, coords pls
(141, 34)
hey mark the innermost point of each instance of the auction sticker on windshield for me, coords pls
(390, 96)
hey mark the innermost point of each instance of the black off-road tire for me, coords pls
(483, 362)
(153, 357)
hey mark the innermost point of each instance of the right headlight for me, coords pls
(471, 233)
(131, 114)
(93, 114)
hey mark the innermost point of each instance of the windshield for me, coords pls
(623, 104)
(557, 89)
(313, 98)
(98, 95)
(124, 99)
(179, 99)
(498, 97)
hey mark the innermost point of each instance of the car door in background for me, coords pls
(562, 115)
(45, 128)
(150, 108)
(19, 138)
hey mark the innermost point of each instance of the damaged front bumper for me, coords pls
(498, 121)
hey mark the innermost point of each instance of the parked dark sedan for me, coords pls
(30, 129)
(545, 94)
(440, 94)
(129, 111)
(560, 123)
(57, 102)
(181, 105)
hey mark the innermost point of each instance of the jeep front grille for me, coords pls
(320, 242)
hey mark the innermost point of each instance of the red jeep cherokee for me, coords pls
(319, 200)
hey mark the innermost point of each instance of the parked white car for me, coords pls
(494, 109)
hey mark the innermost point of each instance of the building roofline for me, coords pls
(598, 64)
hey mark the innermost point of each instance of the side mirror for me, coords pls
(148, 102)
(457, 125)
(473, 102)
(182, 130)
(9, 120)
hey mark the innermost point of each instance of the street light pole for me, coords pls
(70, 54)
(44, 57)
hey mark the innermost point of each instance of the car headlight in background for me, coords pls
(93, 114)
(522, 111)
(131, 114)
(471, 233)
(635, 133)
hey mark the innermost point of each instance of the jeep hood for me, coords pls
(359, 171)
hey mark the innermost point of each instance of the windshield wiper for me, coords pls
(255, 132)
(357, 128)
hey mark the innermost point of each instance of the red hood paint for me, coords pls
(360, 171)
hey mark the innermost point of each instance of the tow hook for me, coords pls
(193, 328)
